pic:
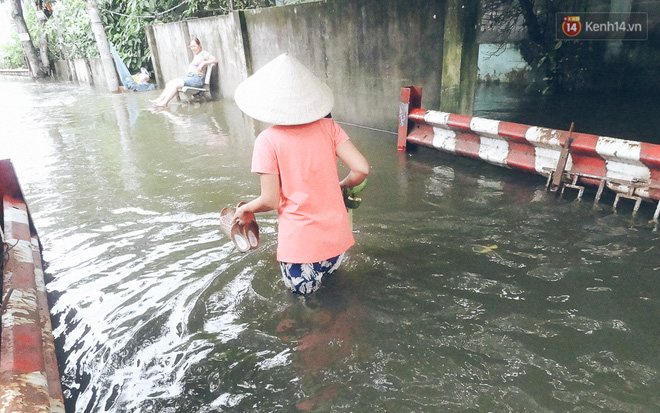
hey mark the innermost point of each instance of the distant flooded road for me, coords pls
(470, 288)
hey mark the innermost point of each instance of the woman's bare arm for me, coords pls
(267, 201)
(355, 161)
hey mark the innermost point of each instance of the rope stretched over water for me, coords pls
(366, 127)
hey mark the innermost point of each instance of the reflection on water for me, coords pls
(470, 288)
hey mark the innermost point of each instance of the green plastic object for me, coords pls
(352, 198)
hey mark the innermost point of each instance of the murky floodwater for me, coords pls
(470, 288)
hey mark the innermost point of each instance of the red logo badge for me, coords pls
(571, 26)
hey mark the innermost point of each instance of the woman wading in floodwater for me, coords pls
(194, 77)
(296, 160)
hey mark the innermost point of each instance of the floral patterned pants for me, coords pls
(306, 278)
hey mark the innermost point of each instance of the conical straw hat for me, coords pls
(284, 92)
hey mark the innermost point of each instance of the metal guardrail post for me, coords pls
(411, 98)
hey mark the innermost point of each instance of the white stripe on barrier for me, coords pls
(545, 160)
(547, 148)
(21, 310)
(493, 150)
(618, 148)
(622, 159)
(444, 139)
(16, 215)
(436, 118)
(485, 127)
(56, 406)
(22, 251)
(37, 379)
(20, 391)
(39, 279)
(627, 172)
(543, 137)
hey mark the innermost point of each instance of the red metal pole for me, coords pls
(404, 107)
(411, 98)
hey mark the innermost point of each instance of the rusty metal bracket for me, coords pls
(558, 173)
(599, 193)
(573, 185)
(631, 185)
(638, 201)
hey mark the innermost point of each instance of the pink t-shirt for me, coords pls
(313, 223)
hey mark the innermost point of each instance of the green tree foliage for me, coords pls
(69, 30)
(75, 33)
(563, 66)
(125, 21)
(11, 54)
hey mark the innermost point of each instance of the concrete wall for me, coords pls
(365, 50)
(88, 71)
(62, 70)
(97, 72)
(82, 71)
(222, 37)
(173, 51)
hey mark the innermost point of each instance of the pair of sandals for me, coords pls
(245, 237)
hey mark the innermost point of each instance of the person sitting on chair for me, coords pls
(194, 77)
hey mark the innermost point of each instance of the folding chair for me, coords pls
(198, 93)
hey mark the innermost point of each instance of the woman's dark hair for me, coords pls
(196, 40)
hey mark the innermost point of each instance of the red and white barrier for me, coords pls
(29, 377)
(630, 168)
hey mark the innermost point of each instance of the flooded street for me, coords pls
(470, 288)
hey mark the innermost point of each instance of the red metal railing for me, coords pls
(629, 168)
(29, 377)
